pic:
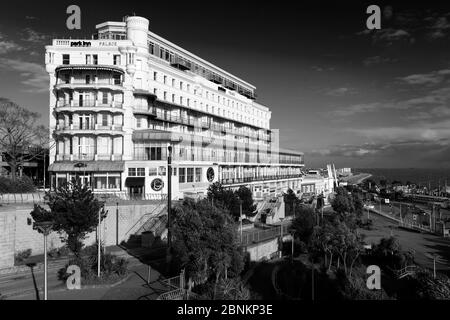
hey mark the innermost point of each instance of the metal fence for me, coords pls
(110, 197)
(261, 235)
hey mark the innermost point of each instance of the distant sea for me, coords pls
(415, 175)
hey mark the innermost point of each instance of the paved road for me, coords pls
(134, 288)
(423, 244)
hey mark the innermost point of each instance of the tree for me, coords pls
(205, 242)
(248, 205)
(348, 245)
(74, 211)
(225, 198)
(342, 202)
(291, 201)
(303, 224)
(21, 138)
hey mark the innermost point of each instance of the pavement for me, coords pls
(28, 285)
(424, 245)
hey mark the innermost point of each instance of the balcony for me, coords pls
(215, 78)
(97, 67)
(151, 111)
(181, 64)
(90, 128)
(89, 105)
(111, 84)
(88, 157)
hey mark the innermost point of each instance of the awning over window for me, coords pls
(135, 182)
(91, 166)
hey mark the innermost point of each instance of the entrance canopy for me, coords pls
(135, 182)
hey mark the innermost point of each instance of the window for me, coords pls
(190, 175)
(188, 87)
(113, 182)
(88, 59)
(67, 78)
(162, 171)
(174, 171)
(88, 79)
(181, 100)
(105, 98)
(165, 79)
(165, 95)
(66, 59)
(104, 120)
(173, 82)
(116, 59)
(132, 172)
(154, 153)
(182, 175)
(181, 85)
(152, 171)
(117, 79)
(95, 56)
(173, 98)
(155, 92)
(155, 75)
(140, 172)
(198, 174)
(138, 122)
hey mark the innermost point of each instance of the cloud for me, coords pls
(387, 36)
(34, 37)
(7, 46)
(34, 74)
(393, 154)
(430, 131)
(374, 60)
(340, 92)
(431, 78)
(321, 69)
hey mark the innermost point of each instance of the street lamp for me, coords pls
(292, 248)
(169, 203)
(45, 227)
(240, 216)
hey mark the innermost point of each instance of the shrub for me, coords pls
(112, 268)
(21, 185)
(21, 256)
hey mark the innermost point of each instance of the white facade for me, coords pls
(119, 100)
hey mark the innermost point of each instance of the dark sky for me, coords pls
(337, 91)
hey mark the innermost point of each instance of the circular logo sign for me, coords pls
(157, 184)
(210, 174)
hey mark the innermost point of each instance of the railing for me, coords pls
(264, 178)
(21, 198)
(261, 235)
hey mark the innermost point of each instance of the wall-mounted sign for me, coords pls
(80, 44)
(157, 184)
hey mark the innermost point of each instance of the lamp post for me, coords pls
(45, 227)
(292, 248)
(99, 241)
(240, 217)
(169, 203)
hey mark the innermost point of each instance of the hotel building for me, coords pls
(119, 100)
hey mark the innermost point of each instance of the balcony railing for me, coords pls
(263, 178)
(89, 103)
(90, 126)
(88, 157)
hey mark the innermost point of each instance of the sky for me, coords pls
(339, 92)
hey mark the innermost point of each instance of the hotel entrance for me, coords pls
(135, 185)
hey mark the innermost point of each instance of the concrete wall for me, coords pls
(263, 249)
(16, 235)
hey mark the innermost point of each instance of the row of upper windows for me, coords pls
(209, 95)
(172, 97)
(93, 59)
(172, 57)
